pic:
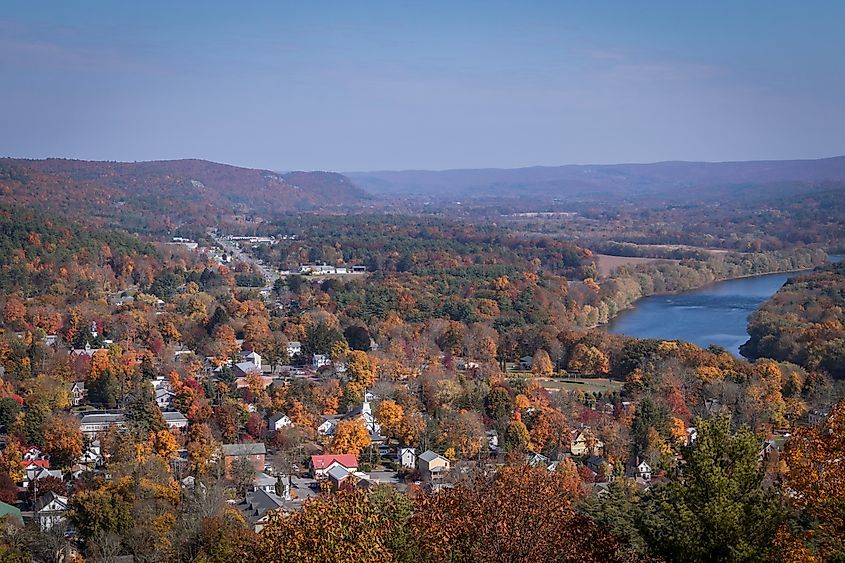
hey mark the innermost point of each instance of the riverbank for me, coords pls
(632, 283)
(715, 314)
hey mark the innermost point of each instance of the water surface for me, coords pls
(715, 314)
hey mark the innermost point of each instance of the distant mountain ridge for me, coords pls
(671, 178)
(179, 191)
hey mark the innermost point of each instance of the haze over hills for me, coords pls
(662, 179)
(182, 191)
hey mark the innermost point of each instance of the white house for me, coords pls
(50, 510)
(77, 392)
(294, 348)
(320, 360)
(164, 397)
(644, 471)
(278, 421)
(93, 423)
(328, 426)
(174, 419)
(408, 457)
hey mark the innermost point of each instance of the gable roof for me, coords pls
(338, 473)
(429, 456)
(277, 417)
(323, 461)
(256, 448)
(46, 499)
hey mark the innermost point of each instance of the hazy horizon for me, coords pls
(379, 86)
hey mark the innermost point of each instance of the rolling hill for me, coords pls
(140, 195)
(670, 180)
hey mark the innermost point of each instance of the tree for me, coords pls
(815, 479)
(201, 447)
(588, 360)
(342, 527)
(142, 413)
(518, 513)
(350, 437)
(63, 440)
(541, 363)
(99, 512)
(517, 436)
(360, 370)
(390, 415)
(8, 489)
(358, 338)
(9, 409)
(719, 510)
(104, 390)
(243, 474)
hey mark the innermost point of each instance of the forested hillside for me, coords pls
(803, 323)
(41, 253)
(158, 196)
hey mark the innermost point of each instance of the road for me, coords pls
(235, 251)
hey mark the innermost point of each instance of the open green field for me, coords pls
(586, 384)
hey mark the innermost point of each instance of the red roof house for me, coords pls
(322, 464)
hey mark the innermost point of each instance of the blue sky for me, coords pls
(429, 85)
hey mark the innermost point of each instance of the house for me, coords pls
(294, 348)
(49, 510)
(92, 455)
(584, 443)
(258, 505)
(818, 416)
(35, 472)
(408, 457)
(322, 464)
(252, 357)
(278, 421)
(432, 465)
(242, 369)
(536, 460)
(598, 465)
(692, 435)
(337, 476)
(77, 392)
(640, 470)
(254, 452)
(492, 440)
(33, 453)
(174, 419)
(92, 423)
(243, 381)
(164, 397)
(327, 427)
(320, 360)
(264, 482)
(525, 362)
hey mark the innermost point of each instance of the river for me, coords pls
(714, 314)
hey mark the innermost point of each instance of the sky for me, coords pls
(354, 86)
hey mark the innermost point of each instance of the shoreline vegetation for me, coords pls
(632, 282)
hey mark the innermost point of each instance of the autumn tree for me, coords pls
(517, 436)
(345, 527)
(63, 440)
(351, 437)
(815, 481)
(390, 415)
(518, 513)
(541, 363)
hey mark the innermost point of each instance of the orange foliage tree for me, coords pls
(350, 437)
(815, 479)
(517, 514)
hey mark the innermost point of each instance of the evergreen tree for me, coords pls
(718, 509)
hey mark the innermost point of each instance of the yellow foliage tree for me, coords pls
(350, 437)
